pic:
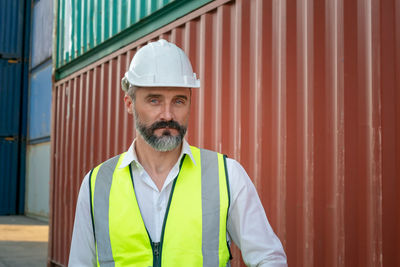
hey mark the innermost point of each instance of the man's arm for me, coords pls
(83, 251)
(248, 225)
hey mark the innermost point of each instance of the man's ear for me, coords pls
(128, 104)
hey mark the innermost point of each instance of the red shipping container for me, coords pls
(305, 94)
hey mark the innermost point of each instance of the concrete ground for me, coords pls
(23, 241)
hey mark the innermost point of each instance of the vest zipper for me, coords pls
(160, 244)
(156, 254)
(156, 247)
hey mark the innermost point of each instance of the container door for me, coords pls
(14, 30)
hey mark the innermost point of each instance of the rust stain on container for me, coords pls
(305, 94)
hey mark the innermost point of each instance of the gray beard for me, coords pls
(165, 142)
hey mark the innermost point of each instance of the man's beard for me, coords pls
(165, 142)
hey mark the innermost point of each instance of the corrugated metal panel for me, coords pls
(85, 24)
(14, 40)
(11, 22)
(89, 30)
(305, 94)
(37, 180)
(42, 31)
(10, 97)
(40, 102)
(8, 171)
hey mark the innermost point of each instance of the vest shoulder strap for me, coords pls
(101, 196)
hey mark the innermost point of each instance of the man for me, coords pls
(163, 202)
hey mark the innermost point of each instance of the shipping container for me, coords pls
(42, 32)
(40, 103)
(14, 58)
(37, 180)
(11, 23)
(10, 105)
(39, 110)
(10, 97)
(9, 195)
(89, 30)
(305, 94)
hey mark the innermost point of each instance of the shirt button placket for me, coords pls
(158, 216)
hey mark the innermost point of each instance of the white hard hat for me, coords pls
(161, 64)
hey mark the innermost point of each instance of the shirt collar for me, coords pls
(131, 155)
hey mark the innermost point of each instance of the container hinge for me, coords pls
(14, 60)
(9, 138)
(11, 60)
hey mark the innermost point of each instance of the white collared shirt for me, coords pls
(247, 224)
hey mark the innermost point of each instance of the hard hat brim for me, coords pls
(149, 81)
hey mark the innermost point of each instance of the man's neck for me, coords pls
(157, 164)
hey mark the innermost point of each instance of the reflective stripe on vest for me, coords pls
(194, 230)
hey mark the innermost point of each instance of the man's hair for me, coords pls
(128, 88)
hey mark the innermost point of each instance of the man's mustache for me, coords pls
(165, 124)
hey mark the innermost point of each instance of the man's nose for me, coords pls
(166, 113)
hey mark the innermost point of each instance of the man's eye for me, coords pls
(154, 100)
(179, 101)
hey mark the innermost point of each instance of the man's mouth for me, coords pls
(167, 130)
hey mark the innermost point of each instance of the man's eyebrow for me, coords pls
(159, 95)
(153, 95)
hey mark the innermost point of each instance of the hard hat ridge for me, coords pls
(161, 64)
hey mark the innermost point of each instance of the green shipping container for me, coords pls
(89, 30)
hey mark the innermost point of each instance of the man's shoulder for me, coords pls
(232, 165)
(199, 149)
(109, 163)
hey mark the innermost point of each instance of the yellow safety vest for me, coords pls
(194, 228)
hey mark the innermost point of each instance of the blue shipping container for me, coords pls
(42, 32)
(14, 58)
(10, 97)
(8, 170)
(11, 22)
(40, 103)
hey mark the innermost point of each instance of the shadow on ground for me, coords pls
(23, 241)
